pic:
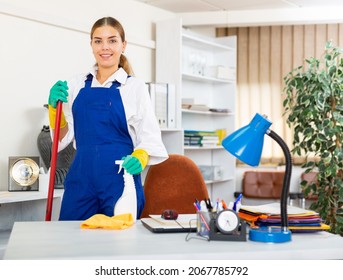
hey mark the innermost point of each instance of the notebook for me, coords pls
(184, 223)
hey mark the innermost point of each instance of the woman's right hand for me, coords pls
(58, 92)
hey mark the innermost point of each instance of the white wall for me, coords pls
(43, 41)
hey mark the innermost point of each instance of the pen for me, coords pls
(203, 206)
(209, 205)
(224, 204)
(220, 207)
(217, 205)
(234, 208)
(197, 204)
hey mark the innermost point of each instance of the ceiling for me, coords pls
(252, 12)
(190, 6)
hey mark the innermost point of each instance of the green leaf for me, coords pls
(308, 164)
(321, 137)
(339, 219)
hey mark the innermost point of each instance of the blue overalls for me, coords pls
(93, 185)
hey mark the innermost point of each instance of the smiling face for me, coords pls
(107, 46)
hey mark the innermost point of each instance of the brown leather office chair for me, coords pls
(173, 184)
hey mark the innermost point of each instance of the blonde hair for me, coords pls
(123, 62)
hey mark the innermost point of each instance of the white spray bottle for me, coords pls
(127, 203)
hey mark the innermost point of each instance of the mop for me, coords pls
(53, 161)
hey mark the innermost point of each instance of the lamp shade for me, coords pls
(246, 143)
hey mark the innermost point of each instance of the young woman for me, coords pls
(108, 114)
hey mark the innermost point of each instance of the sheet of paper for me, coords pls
(274, 209)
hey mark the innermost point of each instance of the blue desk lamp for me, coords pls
(246, 144)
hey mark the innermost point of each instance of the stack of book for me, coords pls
(201, 138)
(268, 215)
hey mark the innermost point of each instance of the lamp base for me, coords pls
(271, 235)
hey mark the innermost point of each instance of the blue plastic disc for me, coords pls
(271, 235)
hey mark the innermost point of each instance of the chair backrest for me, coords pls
(262, 184)
(173, 184)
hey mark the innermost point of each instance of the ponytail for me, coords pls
(125, 64)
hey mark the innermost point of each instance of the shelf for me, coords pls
(187, 111)
(20, 196)
(203, 148)
(171, 129)
(203, 43)
(208, 182)
(205, 79)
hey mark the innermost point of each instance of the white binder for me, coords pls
(171, 109)
(163, 100)
(159, 98)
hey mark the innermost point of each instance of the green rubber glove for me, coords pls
(132, 165)
(58, 92)
(136, 162)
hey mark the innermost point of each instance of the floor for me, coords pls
(4, 237)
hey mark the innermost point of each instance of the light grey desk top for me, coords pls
(66, 240)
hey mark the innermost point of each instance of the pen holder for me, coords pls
(203, 223)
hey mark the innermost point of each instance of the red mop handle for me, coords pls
(53, 161)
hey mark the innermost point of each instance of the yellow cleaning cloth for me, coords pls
(122, 221)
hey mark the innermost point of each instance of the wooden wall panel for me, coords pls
(332, 33)
(264, 56)
(275, 78)
(275, 66)
(321, 38)
(298, 44)
(253, 70)
(264, 80)
(309, 41)
(242, 96)
(340, 35)
(287, 43)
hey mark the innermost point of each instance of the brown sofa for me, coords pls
(262, 184)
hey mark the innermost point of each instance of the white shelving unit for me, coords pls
(22, 196)
(189, 60)
(28, 205)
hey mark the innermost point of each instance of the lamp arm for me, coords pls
(286, 180)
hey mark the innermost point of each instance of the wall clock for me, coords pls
(23, 173)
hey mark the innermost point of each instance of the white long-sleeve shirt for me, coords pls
(141, 120)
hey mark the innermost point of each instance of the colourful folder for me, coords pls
(268, 215)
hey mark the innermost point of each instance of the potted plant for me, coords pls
(314, 107)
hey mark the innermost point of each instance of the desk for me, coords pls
(66, 240)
